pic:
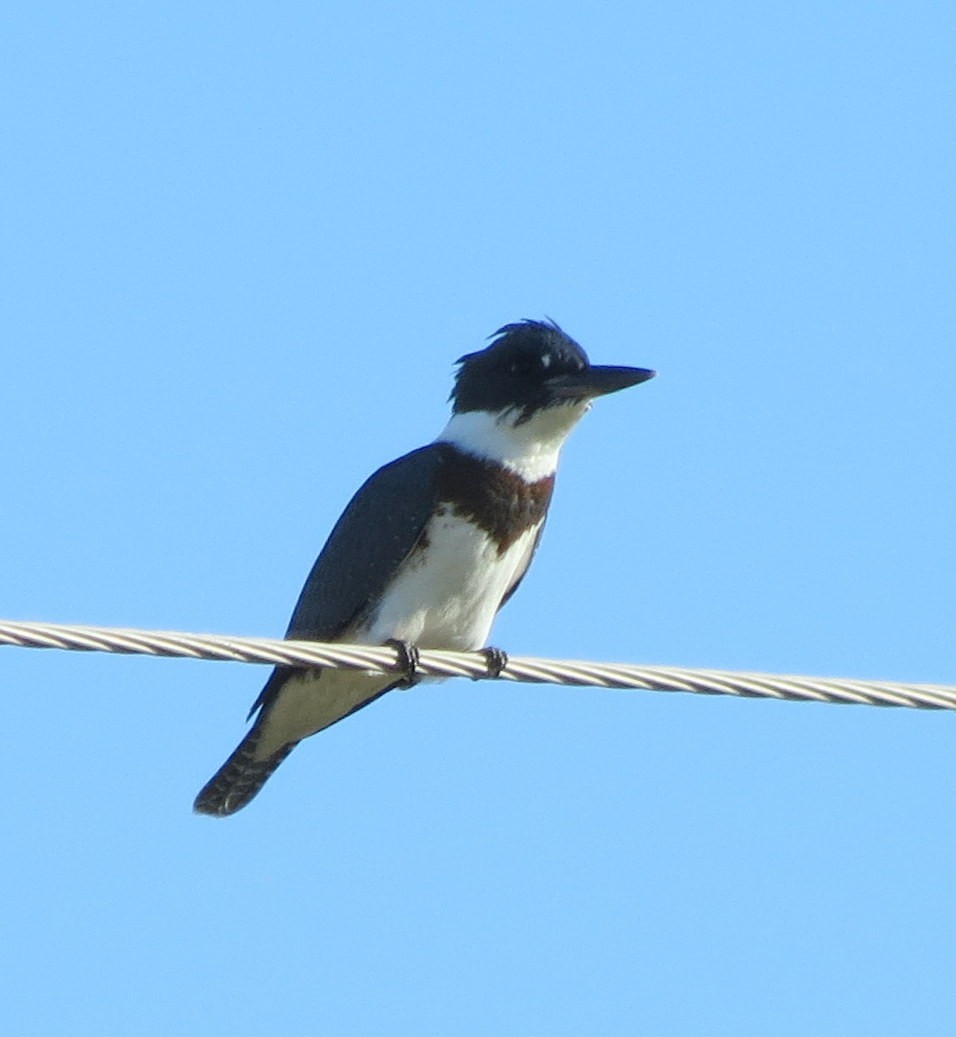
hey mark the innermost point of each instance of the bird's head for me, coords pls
(533, 366)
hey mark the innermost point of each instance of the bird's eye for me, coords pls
(530, 364)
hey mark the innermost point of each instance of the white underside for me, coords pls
(449, 596)
(448, 599)
(308, 703)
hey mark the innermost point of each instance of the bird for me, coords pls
(432, 544)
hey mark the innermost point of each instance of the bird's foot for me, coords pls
(496, 659)
(408, 656)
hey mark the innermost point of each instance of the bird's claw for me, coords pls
(408, 656)
(496, 659)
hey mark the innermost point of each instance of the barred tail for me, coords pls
(239, 779)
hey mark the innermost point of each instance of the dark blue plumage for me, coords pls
(433, 544)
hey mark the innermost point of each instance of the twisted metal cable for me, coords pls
(475, 665)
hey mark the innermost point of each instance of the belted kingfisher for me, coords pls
(432, 545)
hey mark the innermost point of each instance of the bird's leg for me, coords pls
(407, 660)
(496, 659)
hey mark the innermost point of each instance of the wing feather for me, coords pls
(378, 530)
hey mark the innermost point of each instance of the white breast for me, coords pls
(447, 596)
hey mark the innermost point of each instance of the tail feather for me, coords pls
(240, 778)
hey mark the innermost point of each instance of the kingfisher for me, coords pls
(432, 544)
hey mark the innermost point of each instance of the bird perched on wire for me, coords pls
(432, 545)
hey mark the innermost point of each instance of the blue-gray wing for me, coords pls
(376, 533)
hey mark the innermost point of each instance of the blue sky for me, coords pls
(242, 246)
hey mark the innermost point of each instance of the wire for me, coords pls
(476, 665)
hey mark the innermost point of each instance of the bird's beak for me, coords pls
(596, 381)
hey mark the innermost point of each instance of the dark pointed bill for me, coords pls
(597, 381)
